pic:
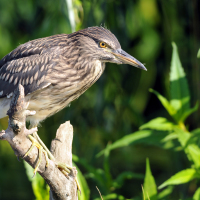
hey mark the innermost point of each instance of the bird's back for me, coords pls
(28, 64)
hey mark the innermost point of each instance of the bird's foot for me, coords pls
(41, 150)
(66, 169)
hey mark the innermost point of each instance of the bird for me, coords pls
(56, 70)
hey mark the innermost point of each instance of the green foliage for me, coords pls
(104, 180)
(160, 132)
(40, 188)
(139, 137)
(150, 187)
(179, 92)
(85, 192)
(160, 124)
(111, 196)
(197, 194)
(179, 109)
(179, 105)
(198, 54)
(181, 177)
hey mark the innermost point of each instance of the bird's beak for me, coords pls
(125, 58)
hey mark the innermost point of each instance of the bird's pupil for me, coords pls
(102, 44)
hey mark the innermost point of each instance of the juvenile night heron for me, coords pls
(56, 70)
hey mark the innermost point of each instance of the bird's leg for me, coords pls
(36, 141)
(62, 166)
(65, 169)
(41, 150)
(50, 156)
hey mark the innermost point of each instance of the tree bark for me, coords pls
(62, 187)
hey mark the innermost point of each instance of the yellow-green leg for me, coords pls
(36, 141)
(50, 156)
(41, 150)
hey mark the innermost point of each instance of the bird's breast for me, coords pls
(88, 76)
(54, 98)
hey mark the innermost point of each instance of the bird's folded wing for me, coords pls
(29, 71)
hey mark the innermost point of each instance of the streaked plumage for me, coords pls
(56, 70)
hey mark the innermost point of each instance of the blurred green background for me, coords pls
(120, 101)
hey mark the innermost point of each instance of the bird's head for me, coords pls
(99, 43)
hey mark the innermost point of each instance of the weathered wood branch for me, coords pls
(62, 187)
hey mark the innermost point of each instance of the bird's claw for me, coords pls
(66, 169)
(41, 150)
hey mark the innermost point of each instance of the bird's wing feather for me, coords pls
(29, 64)
(35, 47)
(28, 71)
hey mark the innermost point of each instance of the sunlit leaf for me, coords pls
(189, 112)
(197, 194)
(171, 110)
(190, 147)
(150, 187)
(159, 123)
(40, 188)
(150, 137)
(198, 54)
(111, 196)
(171, 136)
(180, 97)
(85, 191)
(164, 193)
(196, 131)
(181, 177)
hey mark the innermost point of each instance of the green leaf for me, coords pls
(191, 149)
(40, 188)
(197, 194)
(172, 111)
(107, 168)
(180, 97)
(150, 187)
(181, 177)
(144, 136)
(159, 123)
(111, 196)
(119, 181)
(198, 54)
(196, 131)
(171, 136)
(189, 112)
(94, 173)
(164, 193)
(85, 191)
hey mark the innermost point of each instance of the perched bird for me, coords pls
(56, 70)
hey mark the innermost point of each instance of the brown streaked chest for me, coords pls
(52, 99)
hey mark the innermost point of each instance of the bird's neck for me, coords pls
(91, 71)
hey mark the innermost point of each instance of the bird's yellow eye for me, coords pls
(102, 44)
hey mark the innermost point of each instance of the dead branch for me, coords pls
(62, 187)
